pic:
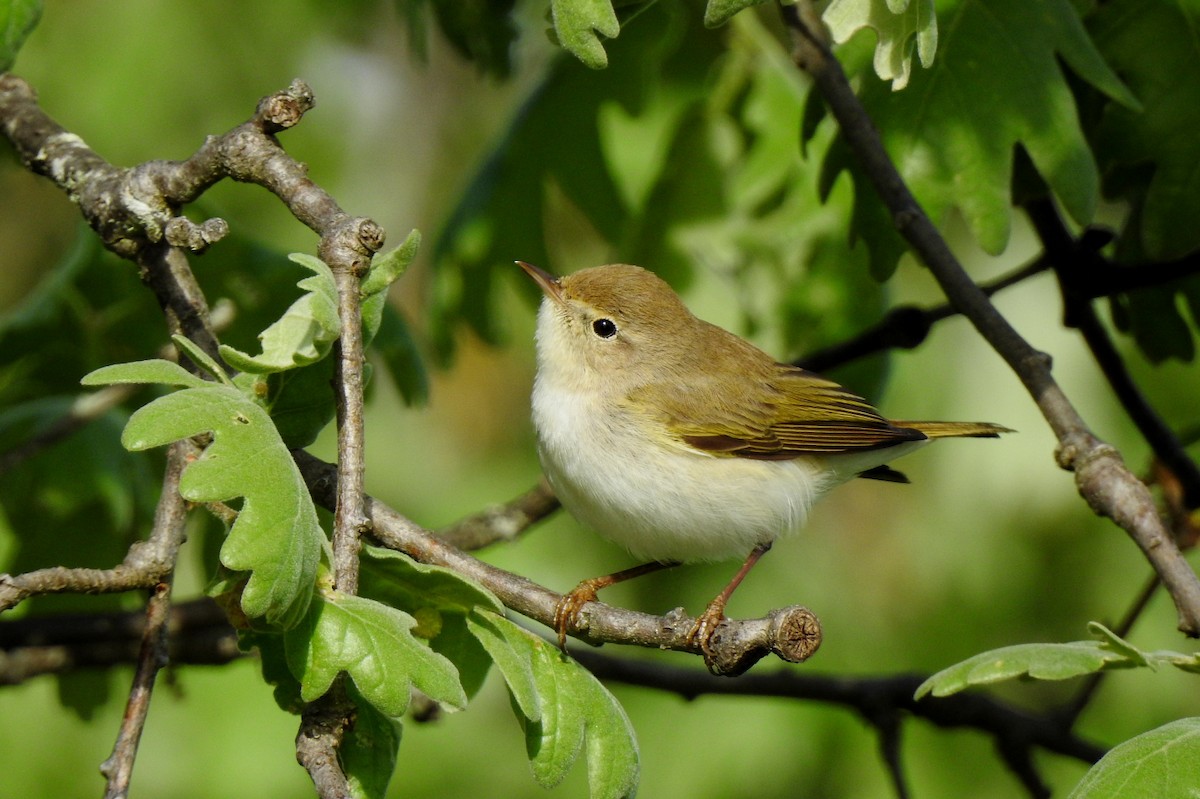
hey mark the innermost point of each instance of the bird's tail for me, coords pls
(952, 429)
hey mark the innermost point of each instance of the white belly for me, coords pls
(663, 502)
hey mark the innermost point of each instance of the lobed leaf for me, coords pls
(276, 537)
(579, 24)
(1162, 762)
(899, 25)
(374, 645)
(511, 649)
(578, 712)
(955, 150)
(304, 334)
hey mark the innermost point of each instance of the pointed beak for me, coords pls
(547, 282)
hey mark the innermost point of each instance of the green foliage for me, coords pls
(276, 537)
(718, 12)
(304, 334)
(1052, 662)
(368, 750)
(375, 645)
(957, 154)
(1149, 157)
(899, 24)
(579, 24)
(563, 709)
(18, 18)
(1162, 762)
(480, 30)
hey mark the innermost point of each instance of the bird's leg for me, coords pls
(714, 614)
(566, 612)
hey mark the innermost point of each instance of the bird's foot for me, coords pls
(566, 612)
(706, 625)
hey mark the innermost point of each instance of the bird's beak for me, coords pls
(547, 282)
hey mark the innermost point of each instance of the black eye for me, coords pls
(604, 328)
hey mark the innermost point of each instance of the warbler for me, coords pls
(683, 442)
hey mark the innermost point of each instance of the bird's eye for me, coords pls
(604, 328)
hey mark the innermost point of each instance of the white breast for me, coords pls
(661, 502)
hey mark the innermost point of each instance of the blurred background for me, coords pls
(989, 546)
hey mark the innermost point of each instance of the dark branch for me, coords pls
(1100, 475)
(873, 697)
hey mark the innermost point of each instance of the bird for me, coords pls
(683, 442)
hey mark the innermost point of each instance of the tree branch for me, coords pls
(792, 633)
(1100, 475)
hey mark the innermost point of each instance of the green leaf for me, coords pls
(273, 661)
(718, 12)
(1039, 661)
(548, 159)
(387, 268)
(511, 649)
(898, 24)
(955, 153)
(400, 581)
(1162, 132)
(368, 750)
(578, 711)
(201, 358)
(481, 30)
(18, 18)
(374, 645)
(276, 536)
(458, 644)
(304, 334)
(155, 370)
(577, 23)
(1162, 762)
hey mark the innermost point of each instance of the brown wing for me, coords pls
(795, 413)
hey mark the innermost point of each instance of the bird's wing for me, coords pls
(795, 413)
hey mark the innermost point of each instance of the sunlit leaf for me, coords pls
(276, 537)
(404, 583)
(579, 714)
(511, 649)
(1162, 762)
(304, 334)
(155, 370)
(375, 646)
(579, 24)
(900, 25)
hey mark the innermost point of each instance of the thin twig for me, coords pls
(905, 327)
(169, 521)
(502, 523)
(1101, 477)
(1075, 262)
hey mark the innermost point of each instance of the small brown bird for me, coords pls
(683, 442)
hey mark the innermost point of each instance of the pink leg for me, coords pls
(714, 614)
(566, 612)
